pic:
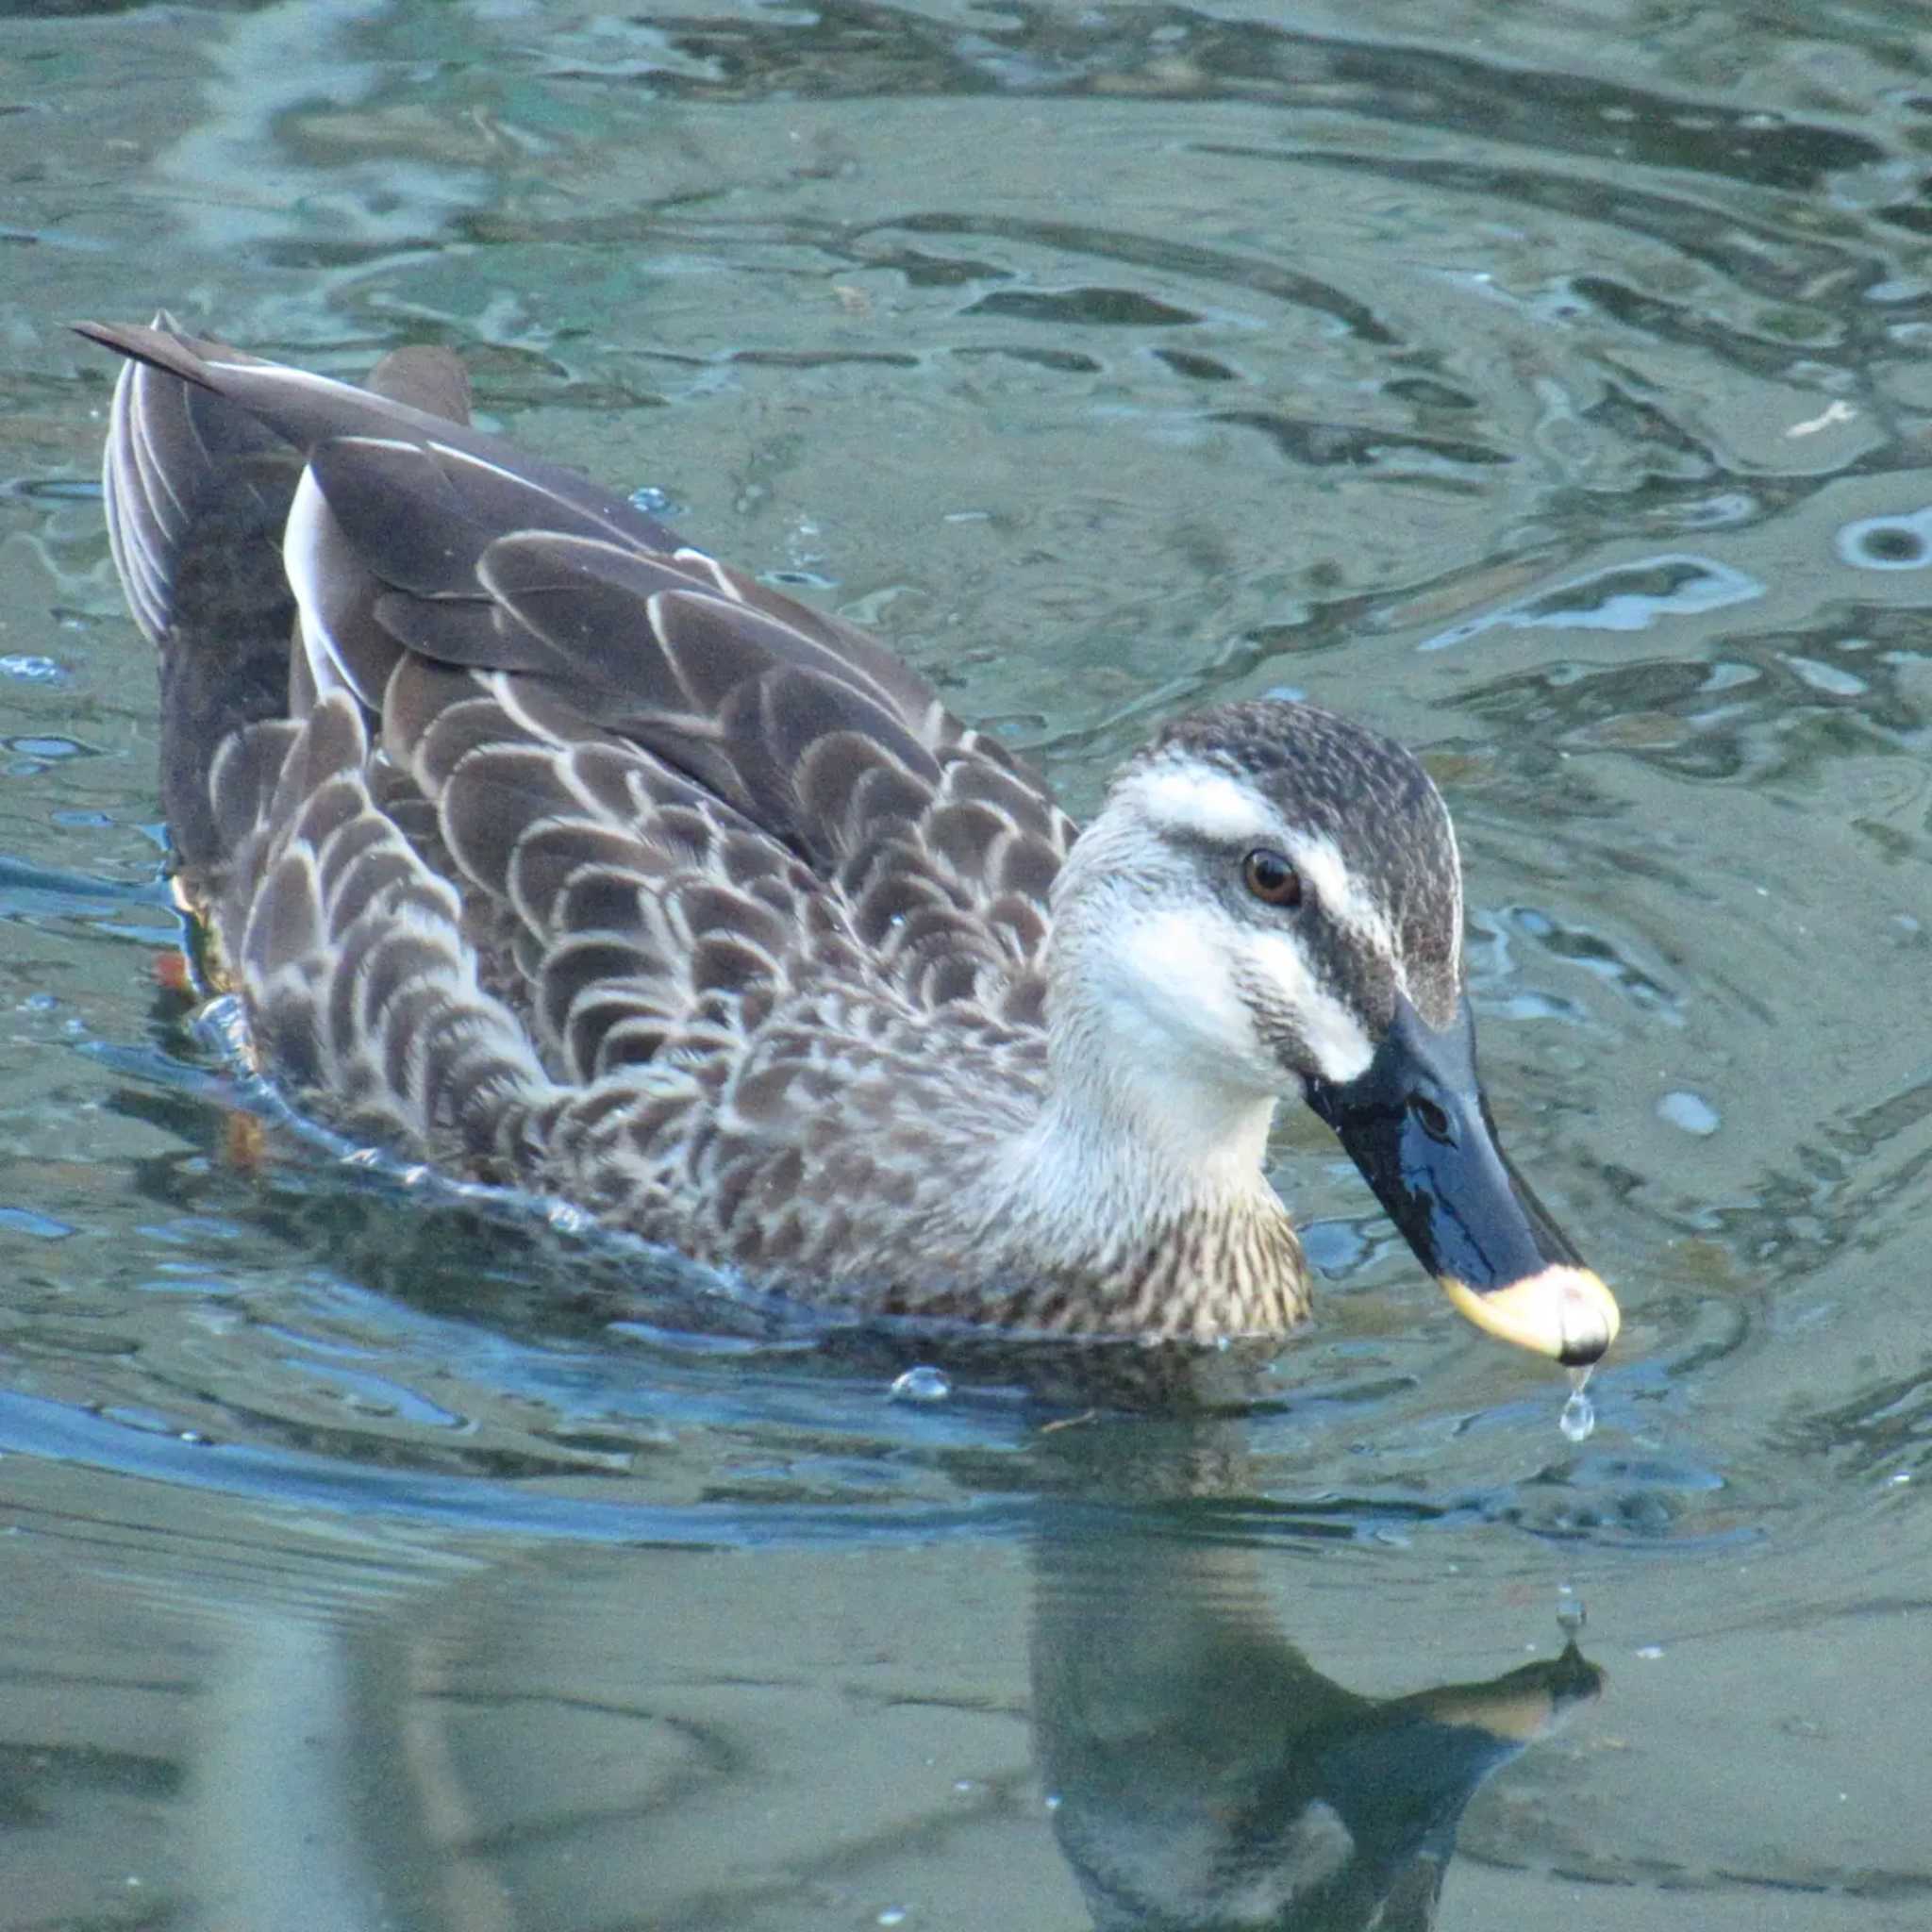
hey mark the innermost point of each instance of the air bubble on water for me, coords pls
(921, 1384)
(1578, 1420)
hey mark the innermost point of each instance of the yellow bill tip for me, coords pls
(1563, 1312)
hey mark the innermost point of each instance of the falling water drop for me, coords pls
(1578, 1420)
(1571, 1616)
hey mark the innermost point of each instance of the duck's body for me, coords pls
(568, 856)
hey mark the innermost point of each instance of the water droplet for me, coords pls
(1053, 1801)
(921, 1384)
(892, 1915)
(1571, 1615)
(1578, 1420)
(1689, 1111)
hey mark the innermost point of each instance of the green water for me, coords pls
(1549, 385)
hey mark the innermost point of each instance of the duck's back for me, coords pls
(553, 848)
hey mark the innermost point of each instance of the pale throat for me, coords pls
(1188, 1136)
(1116, 1159)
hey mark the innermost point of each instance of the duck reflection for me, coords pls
(1201, 1772)
(430, 1729)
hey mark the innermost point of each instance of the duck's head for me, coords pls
(1271, 902)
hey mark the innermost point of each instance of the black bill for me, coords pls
(1418, 1126)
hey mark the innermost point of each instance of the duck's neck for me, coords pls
(1143, 1128)
(1142, 1179)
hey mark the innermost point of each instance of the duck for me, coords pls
(544, 846)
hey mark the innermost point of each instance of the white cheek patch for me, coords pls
(1172, 976)
(1336, 1040)
(1202, 803)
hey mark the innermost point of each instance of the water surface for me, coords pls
(1546, 384)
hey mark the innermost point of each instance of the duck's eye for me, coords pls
(1272, 879)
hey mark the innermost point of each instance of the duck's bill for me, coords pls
(1418, 1126)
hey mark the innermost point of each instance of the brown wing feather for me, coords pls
(432, 540)
(558, 844)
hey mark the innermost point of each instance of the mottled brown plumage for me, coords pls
(563, 855)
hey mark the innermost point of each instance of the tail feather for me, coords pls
(198, 492)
